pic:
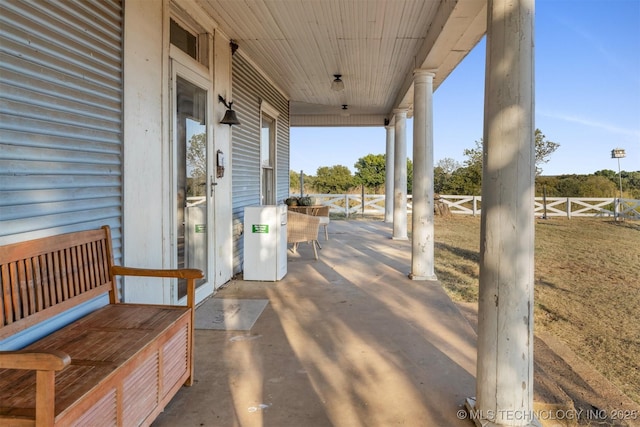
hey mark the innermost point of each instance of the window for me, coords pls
(268, 121)
(184, 40)
(189, 41)
(267, 154)
(266, 157)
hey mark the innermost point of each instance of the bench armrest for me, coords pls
(39, 361)
(181, 273)
(45, 363)
(191, 274)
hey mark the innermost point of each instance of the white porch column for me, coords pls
(389, 175)
(422, 235)
(400, 177)
(505, 317)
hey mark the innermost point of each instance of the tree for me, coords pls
(609, 174)
(448, 165)
(630, 182)
(465, 181)
(597, 186)
(474, 155)
(371, 171)
(443, 173)
(543, 150)
(333, 180)
(569, 186)
(294, 181)
(603, 183)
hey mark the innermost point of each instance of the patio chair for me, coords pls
(302, 228)
(323, 213)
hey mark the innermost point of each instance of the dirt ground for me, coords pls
(568, 391)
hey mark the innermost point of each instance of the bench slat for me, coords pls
(10, 287)
(37, 284)
(55, 298)
(44, 245)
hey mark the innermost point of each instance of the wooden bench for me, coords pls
(118, 365)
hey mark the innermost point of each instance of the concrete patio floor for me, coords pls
(346, 340)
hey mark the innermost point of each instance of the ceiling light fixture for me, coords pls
(337, 84)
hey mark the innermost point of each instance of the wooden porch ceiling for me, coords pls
(374, 44)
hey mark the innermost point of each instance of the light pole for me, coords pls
(618, 153)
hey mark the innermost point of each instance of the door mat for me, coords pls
(229, 314)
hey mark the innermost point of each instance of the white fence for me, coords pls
(353, 204)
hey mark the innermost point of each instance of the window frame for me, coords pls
(268, 171)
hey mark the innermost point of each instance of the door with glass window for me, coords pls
(191, 172)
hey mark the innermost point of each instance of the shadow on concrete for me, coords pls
(347, 340)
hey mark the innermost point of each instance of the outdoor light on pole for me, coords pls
(618, 153)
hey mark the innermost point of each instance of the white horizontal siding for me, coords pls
(249, 87)
(60, 118)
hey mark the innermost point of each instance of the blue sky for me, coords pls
(587, 96)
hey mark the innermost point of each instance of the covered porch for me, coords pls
(347, 340)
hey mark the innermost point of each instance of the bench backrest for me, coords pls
(45, 277)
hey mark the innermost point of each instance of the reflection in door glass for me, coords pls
(191, 191)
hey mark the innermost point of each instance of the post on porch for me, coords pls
(422, 230)
(389, 174)
(505, 317)
(400, 176)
